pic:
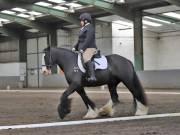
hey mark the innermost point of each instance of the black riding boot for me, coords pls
(90, 69)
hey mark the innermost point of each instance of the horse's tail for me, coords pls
(140, 94)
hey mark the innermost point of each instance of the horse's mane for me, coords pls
(64, 50)
(57, 48)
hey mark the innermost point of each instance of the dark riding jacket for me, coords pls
(86, 38)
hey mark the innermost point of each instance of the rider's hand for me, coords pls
(81, 51)
(73, 49)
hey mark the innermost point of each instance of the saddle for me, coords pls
(99, 60)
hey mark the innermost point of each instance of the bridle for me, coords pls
(50, 60)
(50, 56)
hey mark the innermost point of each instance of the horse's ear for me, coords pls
(46, 49)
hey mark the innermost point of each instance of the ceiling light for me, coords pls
(32, 17)
(110, 1)
(155, 19)
(151, 23)
(8, 12)
(19, 9)
(117, 1)
(33, 30)
(44, 4)
(76, 5)
(34, 13)
(3, 20)
(57, 1)
(71, 9)
(172, 14)
(23, 15)
(60, 8)
(123, 23)
(120, 1)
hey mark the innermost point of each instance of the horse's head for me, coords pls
(46, 61)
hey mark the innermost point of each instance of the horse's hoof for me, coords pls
(141, 109)
(91, 114)
(107, 110)
(64, 108)
(63, 112)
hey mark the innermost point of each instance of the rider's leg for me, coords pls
(90, 68)
(87, 56)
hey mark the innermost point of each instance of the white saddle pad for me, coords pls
(100, 63)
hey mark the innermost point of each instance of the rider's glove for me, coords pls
(73, 49)
(81, 51)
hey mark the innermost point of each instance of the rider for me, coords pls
(86, 43)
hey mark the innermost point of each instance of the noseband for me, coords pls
(50, 59)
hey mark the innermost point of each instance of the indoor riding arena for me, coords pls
(41, 94)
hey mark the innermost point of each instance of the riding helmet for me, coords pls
(85, 16)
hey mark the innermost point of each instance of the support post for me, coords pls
(22, 50)
(53, 38)
(23, 58)
(52, 41)
(138, 41)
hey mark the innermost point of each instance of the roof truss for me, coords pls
(25, 22)
(110, 7)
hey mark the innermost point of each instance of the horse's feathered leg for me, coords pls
(113, 92)
(140, 97)
(134, 85)
(108, 109)
(85, 98)
(92, 110)
(65, 105)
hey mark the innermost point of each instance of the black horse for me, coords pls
(119, 70)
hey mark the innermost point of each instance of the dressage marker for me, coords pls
(93, 121)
